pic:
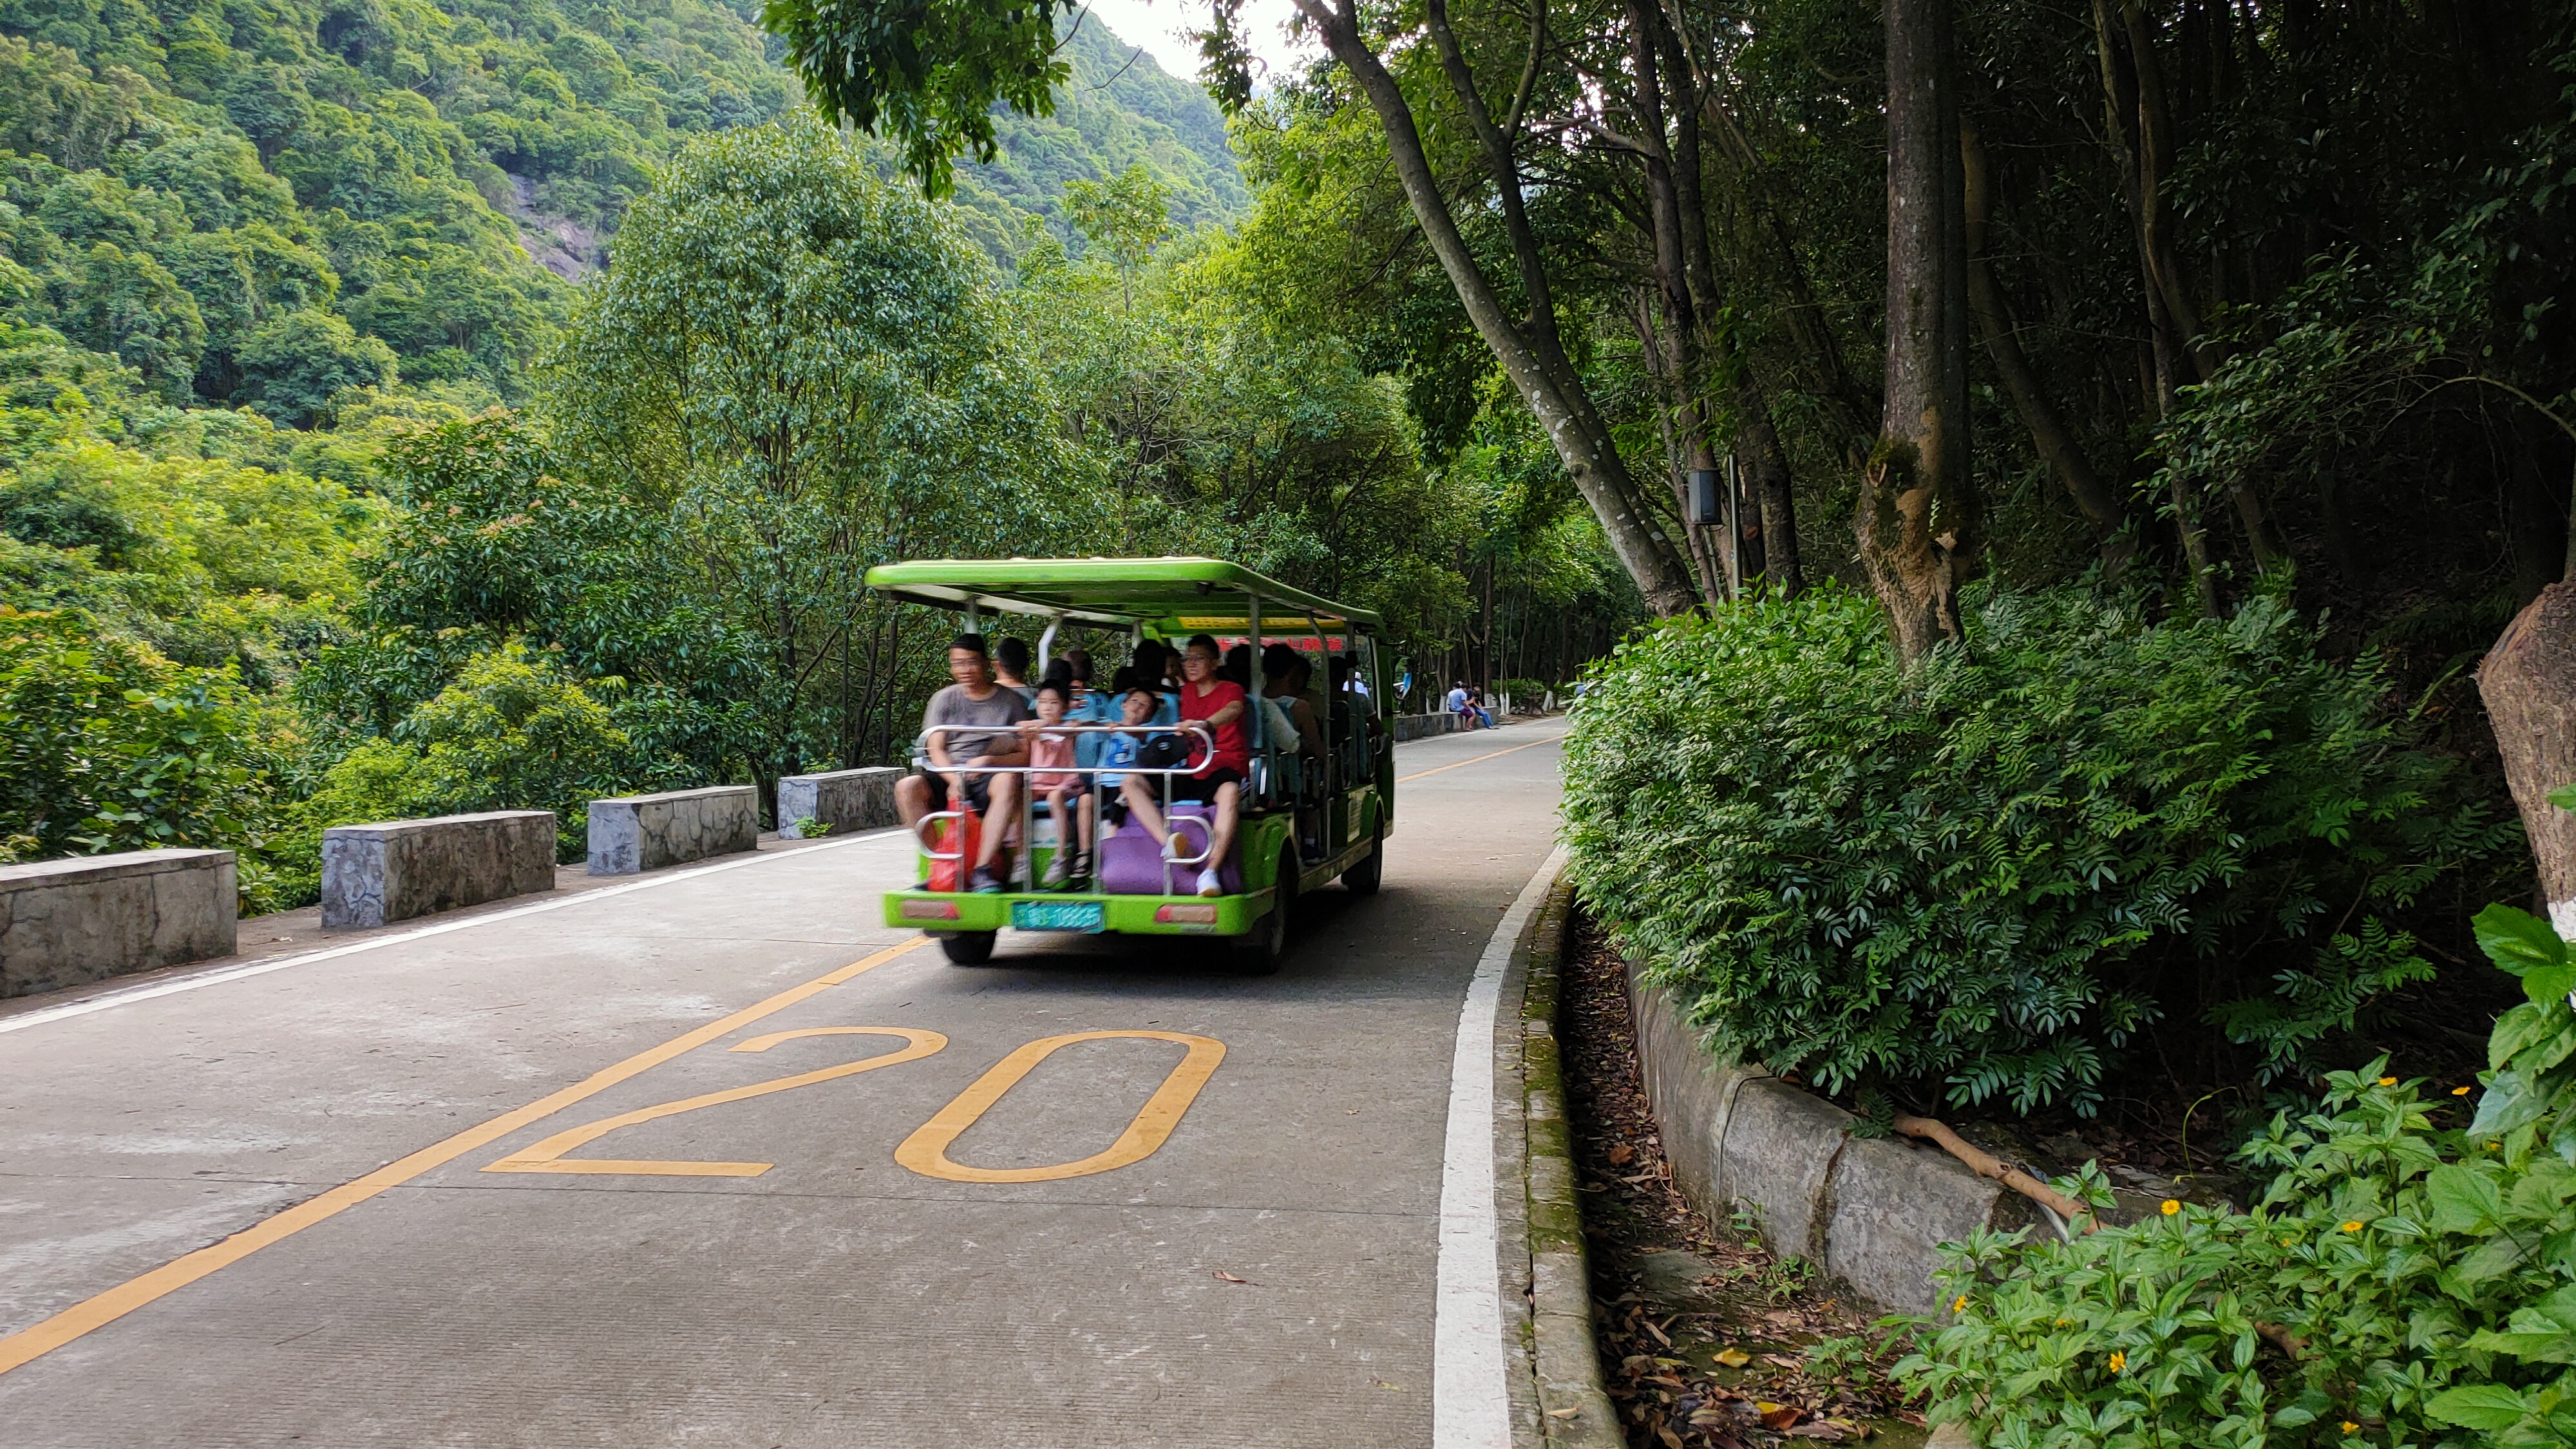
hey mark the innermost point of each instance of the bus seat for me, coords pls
(1131, 864)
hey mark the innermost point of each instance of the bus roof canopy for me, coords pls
(1176, 595)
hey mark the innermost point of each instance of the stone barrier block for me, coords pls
(393, 870)
(1418, 726)
(647, 832)
(66, 922)
(844, 800)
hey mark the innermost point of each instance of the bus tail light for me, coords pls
(1185, 915)
(929, 910)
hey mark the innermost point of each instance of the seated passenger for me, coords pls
(1221, 706)
(1155, 668)
(1284, 674)
(1091, 705)
(1137, 703)
(1011, 669)
(974, 699)
(1052, 779)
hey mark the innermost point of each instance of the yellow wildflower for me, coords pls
(2388, 1081)
(1962, 1303)
(2353, 1227)
(2171, 1207)
(2459, 1091)
(2350, 1427)
(2119, 1361)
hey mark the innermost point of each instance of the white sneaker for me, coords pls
(1209, 885)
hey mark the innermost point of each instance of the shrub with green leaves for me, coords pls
(1985, 878)
(2409, 1279)
(107, 745)
(513, 733)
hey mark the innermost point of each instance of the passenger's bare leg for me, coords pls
(1005, 794)
(1228, 802)
(912, 801)
(1139, 796)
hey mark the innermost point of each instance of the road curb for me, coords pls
(1575, 1410)
(1872, 1212)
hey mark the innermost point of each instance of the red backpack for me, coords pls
(947, 874)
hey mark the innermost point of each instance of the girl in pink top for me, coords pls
(1053, 780)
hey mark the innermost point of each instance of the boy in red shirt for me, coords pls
(1221, 705)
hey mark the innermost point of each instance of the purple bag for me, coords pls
(1131, 864)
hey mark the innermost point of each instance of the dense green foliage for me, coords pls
(267, 209)
(110, 746)
(512, 733)
(2407, 1279)
(1991, 879)
(649, 575)
(263, 276)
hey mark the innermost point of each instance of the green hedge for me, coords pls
(2410, 1278)
(1983, 880)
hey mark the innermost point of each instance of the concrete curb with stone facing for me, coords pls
(1575, 1408)
(1873, 1212)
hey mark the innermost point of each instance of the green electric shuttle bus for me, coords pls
(1309, 814)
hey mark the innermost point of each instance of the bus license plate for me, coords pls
(1058, 916)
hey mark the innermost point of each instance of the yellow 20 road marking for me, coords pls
(105, 1308)
(1477, 760)
(926, 1150)
(547, 1156)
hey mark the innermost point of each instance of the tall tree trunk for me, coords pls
(1847, 406)
(1684, 369)
(1918, 520)
(1534, 359)
(1764, 467)
(2528, 681)
(2140, 131)
(1673, 420)
(2049, 433)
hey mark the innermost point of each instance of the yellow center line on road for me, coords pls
(105, 1308)
(1478, 760)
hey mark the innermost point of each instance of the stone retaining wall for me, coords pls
(647, 832)
(393, 870)
(1417, 726)
(843, 800)
(66, 922)
(1872, 1211)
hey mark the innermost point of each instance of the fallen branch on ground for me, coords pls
(2076, 1214)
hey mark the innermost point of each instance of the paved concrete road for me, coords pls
(761, 1269)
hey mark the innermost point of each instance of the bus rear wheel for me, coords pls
(1362, 878)
(968, 948)
(1261, 951)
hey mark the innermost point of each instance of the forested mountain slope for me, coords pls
(1119, 110)
(263, 205)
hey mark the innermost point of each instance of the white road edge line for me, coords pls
(1470, 1398)
(221, 975)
